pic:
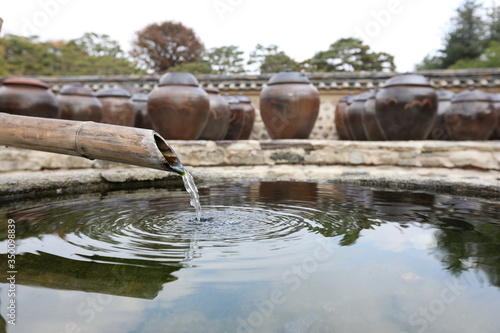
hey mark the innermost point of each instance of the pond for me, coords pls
(265, 257)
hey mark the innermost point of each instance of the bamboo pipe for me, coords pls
(114, 143)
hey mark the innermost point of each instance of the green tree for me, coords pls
(67, 58)
(225, 59)
(96, 45)
(104, 56)
(28, 56)
(3, 62)
(350, 54)
(199, 66)
(489, 59)
(159, 47)
(271, 60)
(25, 56)
(108, 65)
(430, 62)
(493, 24)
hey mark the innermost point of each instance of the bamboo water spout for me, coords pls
(136, 146)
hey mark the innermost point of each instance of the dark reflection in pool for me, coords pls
(322, 246)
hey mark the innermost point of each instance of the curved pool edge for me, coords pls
(53, 183)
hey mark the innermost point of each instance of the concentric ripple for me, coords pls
(165, 229)
(169, 233)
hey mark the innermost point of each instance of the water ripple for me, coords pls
(164, 229)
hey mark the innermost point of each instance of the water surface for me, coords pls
(265, 257)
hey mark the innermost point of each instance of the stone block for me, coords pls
(474, 158)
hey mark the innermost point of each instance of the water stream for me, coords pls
(193, 193)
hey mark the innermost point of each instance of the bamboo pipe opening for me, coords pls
(172, 161)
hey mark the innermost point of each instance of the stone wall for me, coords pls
(480, 155)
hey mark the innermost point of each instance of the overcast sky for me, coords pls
(407, 29)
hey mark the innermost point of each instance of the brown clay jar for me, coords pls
(369, 119)
(28, 97)
(249, 114)
(218, 118)
(355, 116)
(438, 131)
(289, 106)
(140, 101)
(341, 118)
(117, 108)
(406, 107)
(495, 99)
(237, 120)
(471, 116)
(178, 108)
(78, 102)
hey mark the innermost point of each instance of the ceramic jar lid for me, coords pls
(212, 90)
(140, 97)
(373, 93)
(76, 89)
(471, 95)
(444, 95)
(25, 82)
(408, 80)
(495, 97)
(348, 98)
(243, 99)
(178, 79)
(344, 99)
(231, 99)
(362, 97)
(288, 77)
(113, 92)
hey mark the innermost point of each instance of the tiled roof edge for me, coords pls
(323, 81)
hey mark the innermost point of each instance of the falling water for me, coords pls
(193, 192)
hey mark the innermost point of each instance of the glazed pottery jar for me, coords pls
(355, 116)
(237, 120)
(178, 108)
(406, 107)
(471, 116)
(28, 97)
(495, 99)
(249, 114)
(218, 118)
(117, 108)
(438, 131)
(78, 102)
(370, 123)
(341, 118)
(140, 101)
(289, 106)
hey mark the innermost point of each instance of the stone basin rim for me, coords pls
(61, 184)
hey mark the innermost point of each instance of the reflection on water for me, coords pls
(265, 257)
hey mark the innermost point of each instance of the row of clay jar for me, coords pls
(178, 109)
(409, 108)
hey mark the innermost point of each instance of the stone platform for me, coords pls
(481, 155)
(453, 167)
